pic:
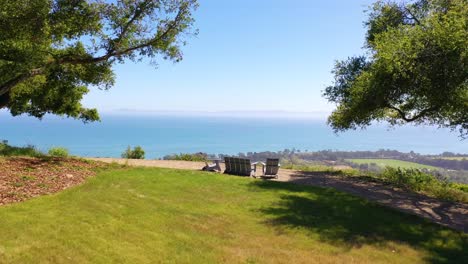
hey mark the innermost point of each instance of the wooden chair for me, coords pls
(271, 168)
(213, 166)
(228, 165)
(245, 167)
(239, 166)
(235, 166)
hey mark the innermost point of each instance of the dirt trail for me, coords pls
(454, 215)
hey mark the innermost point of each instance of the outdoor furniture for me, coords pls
(239, 166)
(213, 166)
(270, 168)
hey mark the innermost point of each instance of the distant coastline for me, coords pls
(168, 134)
(312, 115)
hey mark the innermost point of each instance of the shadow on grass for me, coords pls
(347, 221)
(440, 211)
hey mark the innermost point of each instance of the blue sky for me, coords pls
(262, 55)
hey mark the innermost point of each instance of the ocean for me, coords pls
(162, 135)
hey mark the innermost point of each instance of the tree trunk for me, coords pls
(4, 99)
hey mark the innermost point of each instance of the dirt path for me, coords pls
(454, 215)
(173, 164)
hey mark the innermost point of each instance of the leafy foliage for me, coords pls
(200, 156)
(51, 51)
(58, 152)
(418, 181)
(416, 69)
(407, 178)
(135, 153)
(8, 150)
(460, 186)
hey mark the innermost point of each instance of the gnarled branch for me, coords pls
(412, 16)
(405, 117)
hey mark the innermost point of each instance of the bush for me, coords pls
(58, 152)
(412, 179)
(7, 150)
(460, 186)
(136, 153)
(418, 181)
(200, 156)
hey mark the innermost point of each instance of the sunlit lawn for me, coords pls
(145, 215)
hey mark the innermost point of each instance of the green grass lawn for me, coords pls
(149, 215)
(392, 163)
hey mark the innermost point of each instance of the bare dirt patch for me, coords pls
(172, 164)
(24, 178)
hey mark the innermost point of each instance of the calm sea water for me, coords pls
(161, 135)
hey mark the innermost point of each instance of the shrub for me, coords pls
(418, 181)
(447, 193)
(412, 179)
(200, 156)
(58, 152)
(460, 186)
(7, 150)
(135, 153)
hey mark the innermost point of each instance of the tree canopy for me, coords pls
(51, 51)
(415, 68)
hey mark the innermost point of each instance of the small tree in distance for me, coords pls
(136, 153)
